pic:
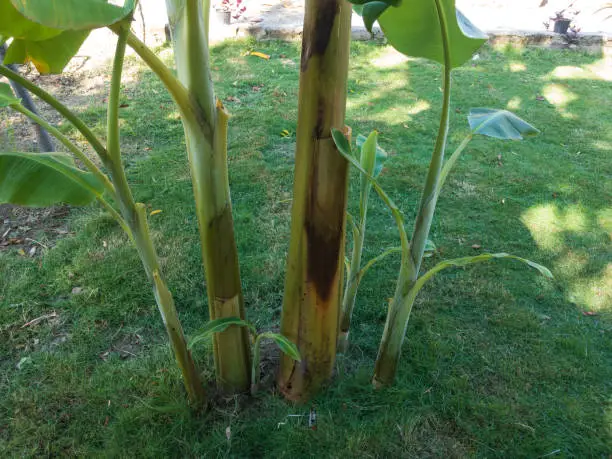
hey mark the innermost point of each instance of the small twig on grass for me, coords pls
(37, 242)
(39, 319)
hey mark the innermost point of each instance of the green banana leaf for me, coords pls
(45, 179)
(465, 261)
(219, 326)
(14, 24)
(286, 346)
(48, 56)
(372, 160)
(74, 14)
(413, 28)
(499, 124)
(7, 98)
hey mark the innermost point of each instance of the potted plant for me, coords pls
(562, 19)
(225, 11)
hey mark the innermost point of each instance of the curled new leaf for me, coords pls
(45, 179)
(342, 143)
(286, 346)
(74, 14)
(372, 160)
(500, 124)
(344, 149)
(217, 326)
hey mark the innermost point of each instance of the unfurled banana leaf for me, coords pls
(48, 56)
(413, 28)
(500, 124)
(74, 14)
(465, 261)
(14, 24)
(45, 179)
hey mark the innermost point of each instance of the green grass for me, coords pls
(498, 361)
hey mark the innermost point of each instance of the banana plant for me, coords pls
(44, 33)
(205, 122)
(437, 31)
(217, 326)
(315, 267)
(371, 159)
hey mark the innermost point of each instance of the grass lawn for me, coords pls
(498, 361)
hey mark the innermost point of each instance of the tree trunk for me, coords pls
(45, 144)
(311, 307)
(205, 123)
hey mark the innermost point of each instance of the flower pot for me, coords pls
(562, 25)
(224, 17)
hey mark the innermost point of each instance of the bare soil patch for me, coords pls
(31, 231)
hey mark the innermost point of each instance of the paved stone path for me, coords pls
(284, 17)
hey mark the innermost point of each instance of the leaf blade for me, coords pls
(7, 98)
(45, 179)
(283, 343)
(500, 124)
(217, 326)
(74, 14)
(14, 24)
(412, 28)
(48, 56)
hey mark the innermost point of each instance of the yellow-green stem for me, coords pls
(89, 164)
(205, 122)
(401, 306)
(136, 218)
(311, 305)
(61, 109)
(352, 284)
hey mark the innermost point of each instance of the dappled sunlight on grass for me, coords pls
(514, 103)
(517, 67)
(599, 70)
(559, 96)
(543, 223)
(418, 107)
(588, 284)
(604, 218)
(594, 293)
(389, 58)
(602, 69)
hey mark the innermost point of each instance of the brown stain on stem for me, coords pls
(320, 34)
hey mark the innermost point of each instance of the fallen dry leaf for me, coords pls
(261, 55)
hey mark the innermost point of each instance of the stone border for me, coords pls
(585, 41)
